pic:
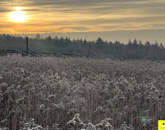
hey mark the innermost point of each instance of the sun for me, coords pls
(18, 15)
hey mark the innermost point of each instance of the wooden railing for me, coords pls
(31, 52)
(19, 52)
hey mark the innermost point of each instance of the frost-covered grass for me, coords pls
(51, 90)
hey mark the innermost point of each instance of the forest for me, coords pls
(59, 46)
(50, 93)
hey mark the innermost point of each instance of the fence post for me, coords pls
(27, 46)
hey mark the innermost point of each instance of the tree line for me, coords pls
(134, 49)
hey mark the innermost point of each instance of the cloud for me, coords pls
(84, 15)
(2, 10)
(80, 2)
(80, 28)
(162, 26)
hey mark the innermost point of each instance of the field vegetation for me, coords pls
(50, 91)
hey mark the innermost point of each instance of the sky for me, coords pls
(110, 19)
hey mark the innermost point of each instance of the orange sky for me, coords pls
(63, 16)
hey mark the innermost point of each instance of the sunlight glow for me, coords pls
(18, 15)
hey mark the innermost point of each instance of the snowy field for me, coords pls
(46, 93)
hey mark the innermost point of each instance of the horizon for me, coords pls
(125, 36)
